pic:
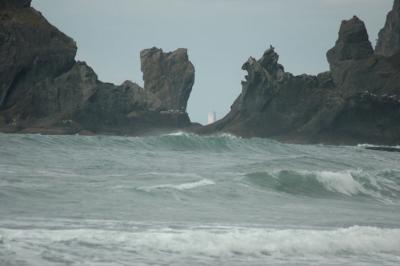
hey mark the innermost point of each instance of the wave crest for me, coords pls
(229, 243)
(329, 183)
(183, 186)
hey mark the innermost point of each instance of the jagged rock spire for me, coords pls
(353, 42)
(170, 76)
(389, 37)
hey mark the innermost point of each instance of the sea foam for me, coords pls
(211, 243)
(182, 186)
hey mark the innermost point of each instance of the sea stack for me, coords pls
(43, 89)
(169, 76)
(357, 101)
(389, 37)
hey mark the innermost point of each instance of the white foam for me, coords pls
(178, 133)
(350, 183)
(344, 182)
(183, 186)
(215, 242)
(228, 136)
(219, 135)
(365, 145)
(341, 182)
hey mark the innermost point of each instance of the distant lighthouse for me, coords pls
(212, 117)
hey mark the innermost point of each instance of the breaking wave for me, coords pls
(358, 178)
(383, 186)
(183, 186)
(184, 199)
(210, 243)
(178, 141)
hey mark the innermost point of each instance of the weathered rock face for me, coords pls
(389, 37)
(357, 101)
(67, 92)
(276, 103)
(127, 109)
(30, 50)
(170, 76)
(353, 42)
(355, 68)
(352, 45)
(15, 3)
(365, 118)
(43, 89)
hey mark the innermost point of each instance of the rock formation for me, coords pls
(357, 101)
(15, 3)
(389, 37)
(168, 75)
(43, 89)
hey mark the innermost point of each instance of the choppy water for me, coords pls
(188, 200)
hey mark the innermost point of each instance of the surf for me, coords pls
(186, 199)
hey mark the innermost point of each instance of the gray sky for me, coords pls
(220, 36)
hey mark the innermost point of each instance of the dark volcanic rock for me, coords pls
(170, 76)
(44, 90)
(127, 109)
(130, 109)
(355, 68)
(389, 37)
(353, 42)
(274, 102)
(366, 118)
(357, 101)
(30, 50)
(15, 3)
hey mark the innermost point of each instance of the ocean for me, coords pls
(183, 199)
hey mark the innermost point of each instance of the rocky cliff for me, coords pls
(357, 101)
(43, 89)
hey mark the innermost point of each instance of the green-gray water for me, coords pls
(182, 199)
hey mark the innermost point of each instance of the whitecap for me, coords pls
(366, 145)
(344, 182)
(182, 186)
(177, 133)
(211, 242)
(341, 182)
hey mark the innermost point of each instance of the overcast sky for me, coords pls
(219, 34)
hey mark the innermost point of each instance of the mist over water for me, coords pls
(183, 199)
